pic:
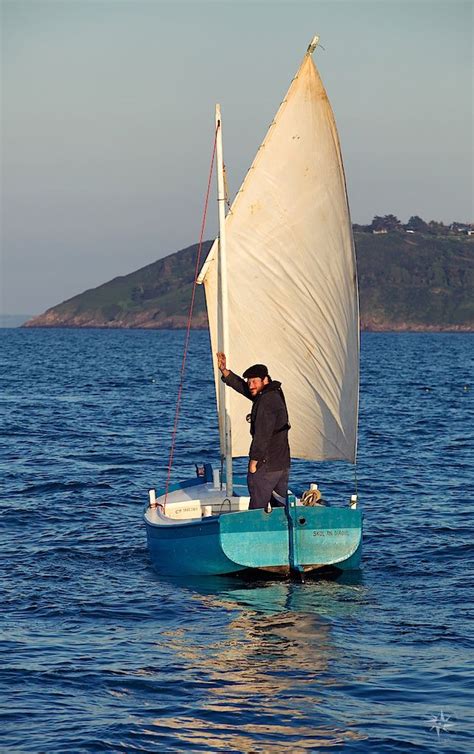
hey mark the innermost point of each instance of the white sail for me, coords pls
(292, 282)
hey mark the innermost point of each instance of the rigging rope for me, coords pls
(355, 478)
(190, 316)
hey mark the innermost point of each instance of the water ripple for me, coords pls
(99, 655)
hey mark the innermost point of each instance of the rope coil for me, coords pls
(311, 497)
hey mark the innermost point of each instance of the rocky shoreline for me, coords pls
(200, 323)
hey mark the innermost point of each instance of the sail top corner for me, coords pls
(313, 44)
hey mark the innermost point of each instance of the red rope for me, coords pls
(190, 316)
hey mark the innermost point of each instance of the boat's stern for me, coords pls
(325, 536)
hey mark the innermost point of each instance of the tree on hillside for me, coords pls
(387, 222)
(437, 229)
(416, 223)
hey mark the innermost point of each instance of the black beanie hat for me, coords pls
(257, 370)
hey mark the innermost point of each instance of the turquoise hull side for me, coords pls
(314, 536)
(190, 549)
(352, 563)
(327, 536)
(255, 539)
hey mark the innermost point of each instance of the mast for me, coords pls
(223, 314)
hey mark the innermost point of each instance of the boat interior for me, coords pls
(192, 501)
(196, 502)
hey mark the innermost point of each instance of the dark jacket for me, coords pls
(268, 423)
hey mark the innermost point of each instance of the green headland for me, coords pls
(414, 277)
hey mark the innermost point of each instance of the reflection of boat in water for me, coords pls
(265, 666)
(281, 287)
(331, 597)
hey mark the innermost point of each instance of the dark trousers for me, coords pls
(262, 483)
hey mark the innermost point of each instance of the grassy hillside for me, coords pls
(157, 295)
(406, 281)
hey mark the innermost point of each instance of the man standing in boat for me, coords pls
(269, 455)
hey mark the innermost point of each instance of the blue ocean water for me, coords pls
(98, 654)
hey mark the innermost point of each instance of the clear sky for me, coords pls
(108, 110)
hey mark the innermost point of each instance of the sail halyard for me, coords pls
(223, 313)
(293, 300)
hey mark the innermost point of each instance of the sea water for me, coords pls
(99, 654)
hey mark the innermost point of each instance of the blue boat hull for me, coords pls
(298, 538)
(189, 549)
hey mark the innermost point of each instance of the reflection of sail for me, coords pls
(264, 673)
